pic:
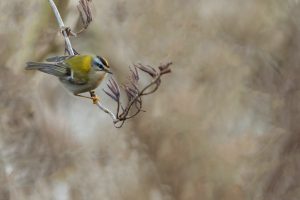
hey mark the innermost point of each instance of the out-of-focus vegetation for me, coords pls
(224, 125)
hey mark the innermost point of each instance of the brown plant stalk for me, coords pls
(134, 94)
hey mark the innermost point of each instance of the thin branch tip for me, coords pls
(134, 94)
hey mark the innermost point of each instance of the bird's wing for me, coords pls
(58, 58)
(72, 68)
(56, 69)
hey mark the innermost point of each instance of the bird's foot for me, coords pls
(94, 97)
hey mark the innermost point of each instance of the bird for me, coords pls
(78, 73)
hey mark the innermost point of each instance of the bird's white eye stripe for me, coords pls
(98, 63)
(97, 60)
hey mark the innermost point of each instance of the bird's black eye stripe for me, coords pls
(103, 61)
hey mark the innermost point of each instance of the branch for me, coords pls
(134, 94)
(62, 27)
(104, 109)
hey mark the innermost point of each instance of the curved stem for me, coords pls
(106, 111)
(62, 27)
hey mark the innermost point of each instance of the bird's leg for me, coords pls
(94, 97)
(79, 95)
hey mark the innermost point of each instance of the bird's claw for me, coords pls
(94, 97)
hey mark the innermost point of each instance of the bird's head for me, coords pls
(100, 64)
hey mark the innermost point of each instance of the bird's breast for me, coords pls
(96, 78)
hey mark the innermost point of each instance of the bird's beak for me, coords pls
(107, 70)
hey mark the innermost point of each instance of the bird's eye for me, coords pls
(100, 66)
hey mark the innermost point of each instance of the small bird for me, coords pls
(78, 73)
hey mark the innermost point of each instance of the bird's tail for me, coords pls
(49, 68)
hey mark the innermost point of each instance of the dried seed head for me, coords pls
(132, 91)
(85, 12)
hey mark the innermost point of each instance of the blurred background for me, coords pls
(225, 125)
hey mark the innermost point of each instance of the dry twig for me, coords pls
(62, 27)
(134, 94)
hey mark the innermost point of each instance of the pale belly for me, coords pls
(92, 84)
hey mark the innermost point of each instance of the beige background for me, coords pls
(224, 125)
